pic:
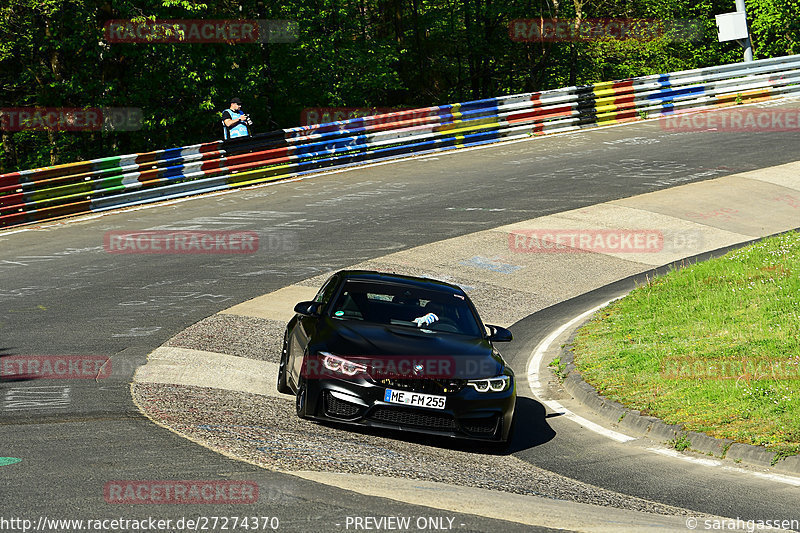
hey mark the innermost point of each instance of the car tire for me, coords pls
(301, 397)
(283, 386)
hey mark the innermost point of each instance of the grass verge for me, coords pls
(714, 346)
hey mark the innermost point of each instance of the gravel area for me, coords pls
(250, 337)
(265, 431)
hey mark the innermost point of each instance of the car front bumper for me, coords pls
(467, 414)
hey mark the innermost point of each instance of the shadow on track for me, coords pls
(530, 430)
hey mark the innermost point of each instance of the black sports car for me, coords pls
(398, 352)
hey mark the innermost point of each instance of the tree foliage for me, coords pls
(354, 53)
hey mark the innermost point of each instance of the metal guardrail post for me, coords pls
(746, 44)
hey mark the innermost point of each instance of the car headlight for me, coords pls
(341, 365)
(495, 384)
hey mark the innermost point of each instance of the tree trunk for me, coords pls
(9, 159)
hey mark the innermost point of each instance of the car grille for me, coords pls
(429, 386)
(413, 418)
(480, 425)
(339, 408)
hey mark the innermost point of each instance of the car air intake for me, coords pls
(414, 418)
(337, 408)
(481, 426)
(429, 386)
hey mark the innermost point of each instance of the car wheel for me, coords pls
(300, 399)
(283, 386)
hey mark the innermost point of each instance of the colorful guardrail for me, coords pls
(113, 182)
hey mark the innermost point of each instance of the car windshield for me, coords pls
(398, 305)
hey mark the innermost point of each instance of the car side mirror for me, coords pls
(498, 334)
(307, 308)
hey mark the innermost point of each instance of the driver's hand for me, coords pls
(425, 320)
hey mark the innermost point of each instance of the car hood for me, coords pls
(462, 356)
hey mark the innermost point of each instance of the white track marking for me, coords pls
(678, 455)
(538, 390)
(780, 478)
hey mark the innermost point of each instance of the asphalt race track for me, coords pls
(62, 293)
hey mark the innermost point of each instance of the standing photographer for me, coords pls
(235, 123)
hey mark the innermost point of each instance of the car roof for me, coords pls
(399, 279)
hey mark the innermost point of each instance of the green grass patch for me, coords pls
(714, 346)
(558, 368)
(680, 443)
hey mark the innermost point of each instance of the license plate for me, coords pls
(414, 398)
